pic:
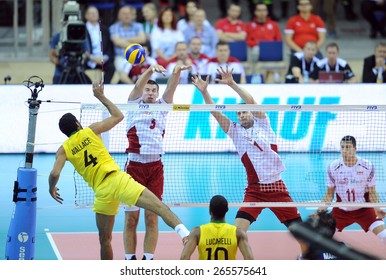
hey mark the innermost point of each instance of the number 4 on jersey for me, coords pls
(89, 159)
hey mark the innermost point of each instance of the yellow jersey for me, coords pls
(86, 151)
(218, 241)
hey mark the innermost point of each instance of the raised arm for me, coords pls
(202, 86)
(227, 78)
(116, 115)
(143, 79)
(244, 247)
(173, 81)
(191, 244)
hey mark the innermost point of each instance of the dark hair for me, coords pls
(174, 20)
(152, 82)
(324, 223)
(68, 124)
(222, 43)
(332, 45)
(349, 138)
(218, 207)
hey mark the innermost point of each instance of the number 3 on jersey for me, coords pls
(89, 159)
(152, 124)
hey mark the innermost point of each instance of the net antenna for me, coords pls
(35, 85)
(22, 230)
(102, 58)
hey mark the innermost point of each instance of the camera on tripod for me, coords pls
(70, 48)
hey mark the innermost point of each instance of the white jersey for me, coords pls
(145, 131)
(351, 183)
(258, 151)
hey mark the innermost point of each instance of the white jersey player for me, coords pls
(255, 142)
(145, 132)
(352, 178)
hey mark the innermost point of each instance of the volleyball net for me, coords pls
(200, 160)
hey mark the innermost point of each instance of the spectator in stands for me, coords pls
(369, 9)
(207, 33)
(223, 59)
(130, 73)
(93, 37)
(163, 39)
(231, 28)
(374, 66)
(123, 33)
(305, 27)
(329, 7)
(199, 58)
(333, 63)
(302, 64)
(150, 15)
(191, 8)
(261, 28)
(182, 58)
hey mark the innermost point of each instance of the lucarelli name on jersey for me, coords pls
(218, 241)
(81, 146)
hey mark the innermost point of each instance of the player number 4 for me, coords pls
(89, 159)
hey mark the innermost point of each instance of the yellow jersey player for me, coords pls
(85, 150)
(217, 240)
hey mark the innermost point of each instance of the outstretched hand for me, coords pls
(380, 213)
(55, 194)
(98, 89)
(181, 67)
(226, 75)
(159, 69)
(200, 84)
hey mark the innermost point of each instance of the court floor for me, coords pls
(67, 232)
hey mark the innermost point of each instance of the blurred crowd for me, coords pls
(179, 32)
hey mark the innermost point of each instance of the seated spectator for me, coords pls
(231, 28)
(302, 64)
(199, 58)
(130, 73)
(191, 8)
(261, 28)
(150, 16)
(163, 39)
(223, 59)
(368, 9)
(305, 27)
(206, 32)
(182, 58)
(333, 63)
(123, 33)
(374, 68)
(93, 37)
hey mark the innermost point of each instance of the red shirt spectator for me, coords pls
(231, 28)
(267, 31)
(305, 30)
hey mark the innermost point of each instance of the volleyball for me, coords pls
(135, 54)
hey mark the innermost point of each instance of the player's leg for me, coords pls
(105, 224)
(367, 218)
(155, 174)
(151, 235)
(149, 201)
(130, 232)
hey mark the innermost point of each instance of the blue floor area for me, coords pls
(67, 218)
